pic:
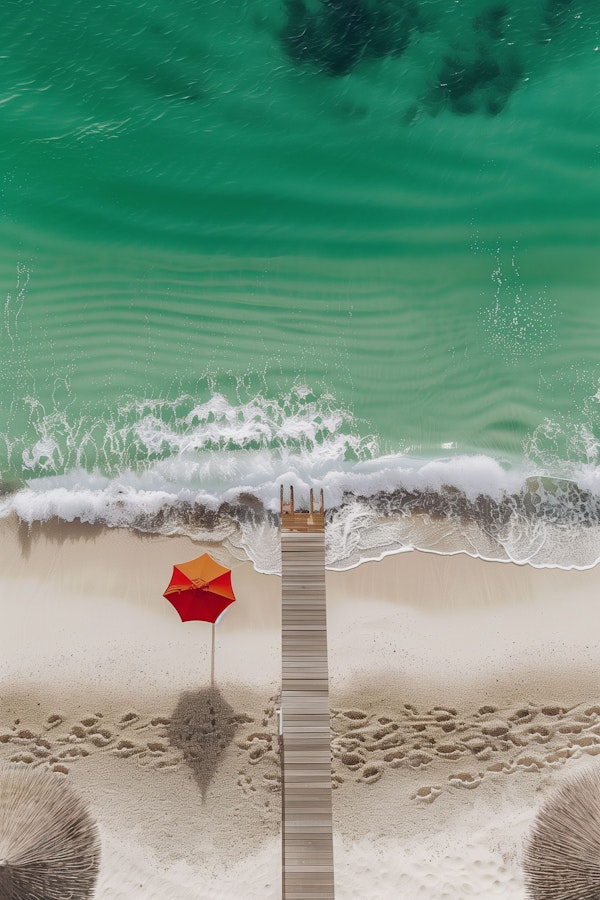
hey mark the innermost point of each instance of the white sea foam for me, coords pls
(214, 469)
(387, 505)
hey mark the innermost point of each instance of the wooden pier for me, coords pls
(307, 838)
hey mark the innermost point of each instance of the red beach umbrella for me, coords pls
(200, 590)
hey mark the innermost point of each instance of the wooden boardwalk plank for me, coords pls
(306, 738)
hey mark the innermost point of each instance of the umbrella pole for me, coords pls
(212, 658)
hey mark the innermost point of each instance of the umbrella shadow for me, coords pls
(202, 726)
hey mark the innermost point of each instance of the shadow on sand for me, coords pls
(202, 726)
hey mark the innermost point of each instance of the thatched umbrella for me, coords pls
(562, 857)
(49, 845)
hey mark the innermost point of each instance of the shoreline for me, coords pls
(442, 506)
(461, 691)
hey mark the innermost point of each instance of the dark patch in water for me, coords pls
(492, 22)
(476, 71)
(480, 83)
(339, 34)
(481, 75)
(336, 35)
(556, 14)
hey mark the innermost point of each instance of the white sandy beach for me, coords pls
(461, 691)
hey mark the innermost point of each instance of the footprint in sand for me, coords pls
(158, 756)
(53, 721)
(356, 718)
(424, 742)
(522, 716)
(450, 751)
(445, 719)
(89, 721)
(384, 738)
(74, 753)
(343, 744)
(465, 780)
(496, 729)
(529, 763)
(558, 757)
(417, 760)
(571, 728)
(419, 727)
(501, 768)
(159, 720)
(22, 758)
(77, 733)
(129, 718)
(448, 727)
(125, 749)
(553, 711)
(100, 737)
(476, 744)
(23, 736)
(41, 748)
(539, 733)
(427, 794)
(370, 774)
(352, 761)
(395, 759)
(257, 745)
(589, 743)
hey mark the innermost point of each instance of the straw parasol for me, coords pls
(49, 844)
(562, 857)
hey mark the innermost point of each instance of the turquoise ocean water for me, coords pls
(350, 244)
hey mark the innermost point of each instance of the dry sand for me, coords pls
(461, 691)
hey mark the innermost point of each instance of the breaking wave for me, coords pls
(213, 471)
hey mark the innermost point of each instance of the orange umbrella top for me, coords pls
(200, 589)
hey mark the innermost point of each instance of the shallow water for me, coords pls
(318, 243)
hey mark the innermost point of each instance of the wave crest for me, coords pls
(213, 470)
(546, 523)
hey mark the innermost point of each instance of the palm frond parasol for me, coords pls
(49, 844)
(562, 857)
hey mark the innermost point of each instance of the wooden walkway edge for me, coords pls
(307, 833)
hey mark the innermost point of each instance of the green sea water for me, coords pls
(332, 232)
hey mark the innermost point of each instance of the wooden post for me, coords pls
(212, 658)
